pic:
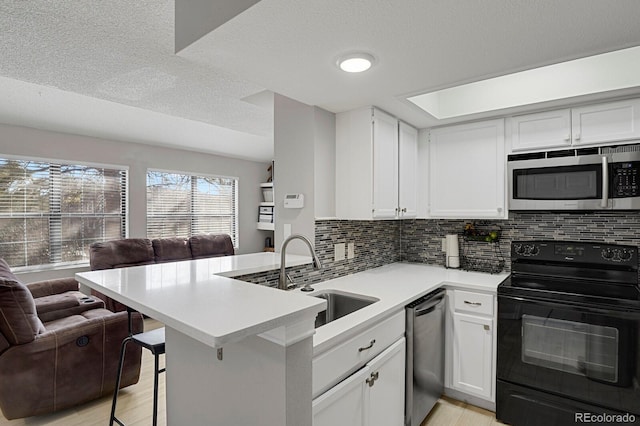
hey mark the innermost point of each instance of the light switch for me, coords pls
(351, 250)
(338, 252)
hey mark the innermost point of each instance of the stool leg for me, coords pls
(155, 388)
(115, 391)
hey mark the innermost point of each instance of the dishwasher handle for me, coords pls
(429, 306)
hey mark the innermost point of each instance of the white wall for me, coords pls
(33, 143)
(304, 152)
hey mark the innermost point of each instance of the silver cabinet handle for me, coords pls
(487, 328)
(371, 380)
(466, 302)
(368, 346)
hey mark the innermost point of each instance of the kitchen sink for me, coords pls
(340, 304)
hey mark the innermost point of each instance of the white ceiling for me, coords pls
(107, 62)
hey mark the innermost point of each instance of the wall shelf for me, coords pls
(265, 226)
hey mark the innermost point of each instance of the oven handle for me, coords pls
(601, 309)
(605, 183)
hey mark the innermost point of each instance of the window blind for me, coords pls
(182, 205)
(51, 213)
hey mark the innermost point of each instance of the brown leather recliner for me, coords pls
(69, 359)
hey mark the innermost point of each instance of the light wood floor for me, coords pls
(135, 406)
(450, 412)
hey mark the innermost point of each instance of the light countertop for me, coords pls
(200, 299)
(194, 298)
(395, 285)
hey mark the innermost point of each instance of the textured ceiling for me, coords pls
(291, 46)
(99, 61)
(122, 53)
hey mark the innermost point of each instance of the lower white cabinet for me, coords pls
(473, 354)
(470, 354)
(372, 396)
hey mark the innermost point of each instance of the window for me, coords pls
(182, 205)
(50, 212)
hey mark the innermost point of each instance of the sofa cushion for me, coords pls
(19, 322)
(171, 249)
(211, 245)
(121, 253)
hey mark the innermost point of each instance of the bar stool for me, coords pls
(153, 341)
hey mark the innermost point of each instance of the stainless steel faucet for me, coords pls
(282, 283)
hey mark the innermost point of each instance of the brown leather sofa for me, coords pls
(143, 251)
(58, 348)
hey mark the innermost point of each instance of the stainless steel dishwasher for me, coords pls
(425, 356)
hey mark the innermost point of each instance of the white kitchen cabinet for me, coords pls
(375, 166)
(407, 171)
(373, 396)
(470, 353)
(589, 125)
(344, 404)
(467, 171)
(385, 165)
(606, 123)
(549, 129)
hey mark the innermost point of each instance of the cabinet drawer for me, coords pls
(477, 303)
(339, 362)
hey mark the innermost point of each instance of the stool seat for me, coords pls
(152, 340)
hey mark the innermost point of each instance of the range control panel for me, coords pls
(583, 252)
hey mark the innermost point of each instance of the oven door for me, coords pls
(566, 183)
(586, 354)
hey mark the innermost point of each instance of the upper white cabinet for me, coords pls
(550, 129)
(467, 171)
(605, 123)
(375, 166)
(407, 170)
(385, 165)
(598, 124)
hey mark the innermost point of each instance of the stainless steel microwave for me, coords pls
(606, 178)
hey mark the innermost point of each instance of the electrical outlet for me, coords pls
(351, 250)
(338, 252)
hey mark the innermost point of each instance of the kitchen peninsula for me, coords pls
(237, 353)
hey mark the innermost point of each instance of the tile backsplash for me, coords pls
(378, 243)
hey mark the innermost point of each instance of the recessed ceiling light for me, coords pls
(356, 62)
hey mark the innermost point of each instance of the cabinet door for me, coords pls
(540, 131)
(472, 354)
(343, 404)
(386, 387)
(466, 171)
(385, 165)
(602, 123)
(407, 170)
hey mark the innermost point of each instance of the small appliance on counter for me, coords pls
(452, 251)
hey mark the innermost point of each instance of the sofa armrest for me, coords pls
(49, 287)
